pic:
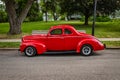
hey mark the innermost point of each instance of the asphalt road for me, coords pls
(103, 65)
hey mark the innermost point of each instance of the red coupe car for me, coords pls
(60, 38)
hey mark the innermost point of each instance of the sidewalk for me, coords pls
(19, 40)
(10, 40)
(109, 39)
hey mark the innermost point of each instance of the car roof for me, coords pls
(63, 26)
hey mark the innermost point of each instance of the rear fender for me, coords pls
(83, 42)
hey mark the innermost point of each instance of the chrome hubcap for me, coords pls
(29, 51)
(86, 50)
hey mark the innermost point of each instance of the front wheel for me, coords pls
(30, 51)
(86, 50)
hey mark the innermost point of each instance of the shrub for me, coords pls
(3, 16)
(62, 17)
(103, 19)
(116, 20)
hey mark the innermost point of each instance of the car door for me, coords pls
(55, 40)
(71, 39)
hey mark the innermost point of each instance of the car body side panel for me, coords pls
(71, 42)
(55, 43)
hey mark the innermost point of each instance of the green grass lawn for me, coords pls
(102, 29)
(112, 44)
(9, 44)
(109, 44)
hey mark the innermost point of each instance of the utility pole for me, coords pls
(94, 17)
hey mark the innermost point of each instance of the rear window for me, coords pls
(67, 31)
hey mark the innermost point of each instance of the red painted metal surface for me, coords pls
(60, 38)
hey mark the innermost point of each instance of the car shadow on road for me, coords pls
(65, 54)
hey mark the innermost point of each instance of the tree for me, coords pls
(86, 8)
(34, 12)
(52, 5)
(103, 7)
(106, 7)
(3, 14)
(68, 7)
(44, 8)
(15, 18)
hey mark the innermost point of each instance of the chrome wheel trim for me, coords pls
(29, 51)
(86, 50)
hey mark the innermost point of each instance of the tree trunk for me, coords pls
(46, 16)
(67, 17)
(16, 20)
(86, 20)
(54, 16)
(15, 28)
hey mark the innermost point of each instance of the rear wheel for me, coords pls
(86, 50)
(30, 51)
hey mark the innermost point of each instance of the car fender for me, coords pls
(40, 47)
(83, 42)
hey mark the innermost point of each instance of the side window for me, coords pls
(67, 31)
(56, 32)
